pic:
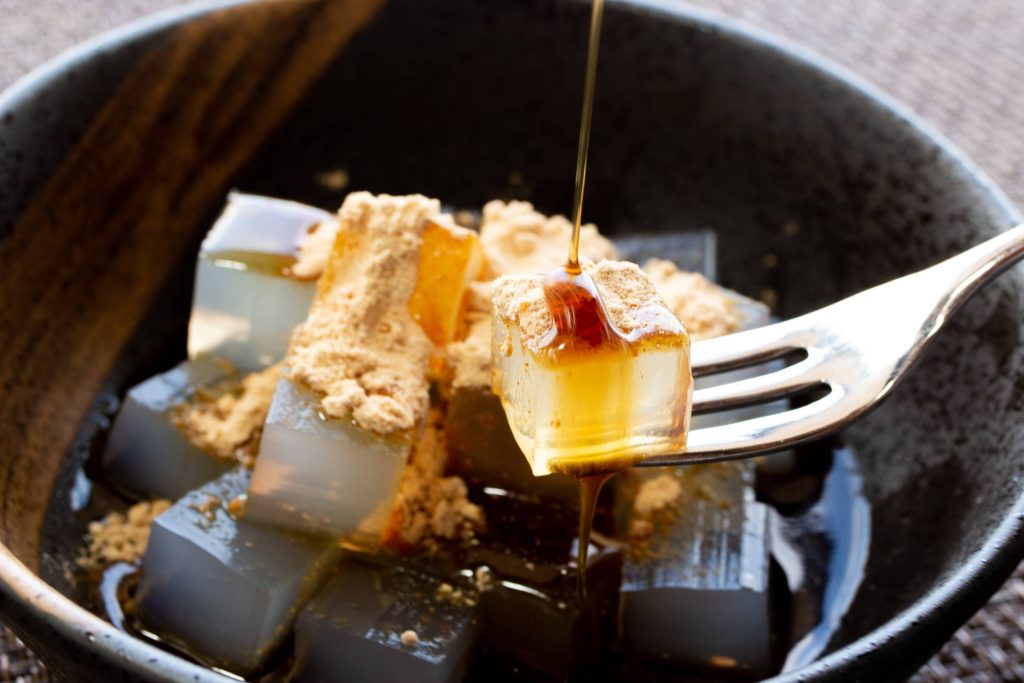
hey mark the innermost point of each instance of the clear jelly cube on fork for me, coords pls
(592, 368)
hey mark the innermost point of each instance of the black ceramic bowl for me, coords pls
(115, 157)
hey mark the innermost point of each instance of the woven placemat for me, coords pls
(957, 63)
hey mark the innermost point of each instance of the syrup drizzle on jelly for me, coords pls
(581, 319)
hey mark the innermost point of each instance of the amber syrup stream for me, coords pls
(590, 488)
(589, 79)
(582, 325)
(578, 312)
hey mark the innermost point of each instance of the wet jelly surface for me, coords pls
(593, 398)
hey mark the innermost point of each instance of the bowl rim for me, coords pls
(950, 602)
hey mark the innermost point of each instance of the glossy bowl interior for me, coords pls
(114, 159)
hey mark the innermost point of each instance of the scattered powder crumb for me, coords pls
(723, 662)
(359, 348)
(467, 219)
(518, 239)
(469, 360)
(654, 496)
(429, 506)
(121, 537)
(641, 529)
(448, 593)
(657, 494)
(662, 501)
(633, 303)
(335, 180)
(227, 423)
(409, 638)
(313, 251)
(478, 297)
(208, 508)
(483, 579)
(236, 506)
(704, 307)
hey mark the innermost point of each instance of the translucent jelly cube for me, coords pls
(223, 589)
(485, 453)
(450, 258)
(702, 585)
(692, 251)
(581, 391)
(323, 476)
(696, 593)
(245, 305)
(616, 407)
(147, 456)
(540, 630)
(378, 623)
(531, 614)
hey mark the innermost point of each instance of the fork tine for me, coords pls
(761, 434)
(762, 388)
(744, 348)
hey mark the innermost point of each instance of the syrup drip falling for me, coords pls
(590, 488)
(589, 320)
(582, 323)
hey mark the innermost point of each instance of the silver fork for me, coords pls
(857, 350)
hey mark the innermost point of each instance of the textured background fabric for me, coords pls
(959, 64)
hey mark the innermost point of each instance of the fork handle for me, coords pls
(976, 267)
